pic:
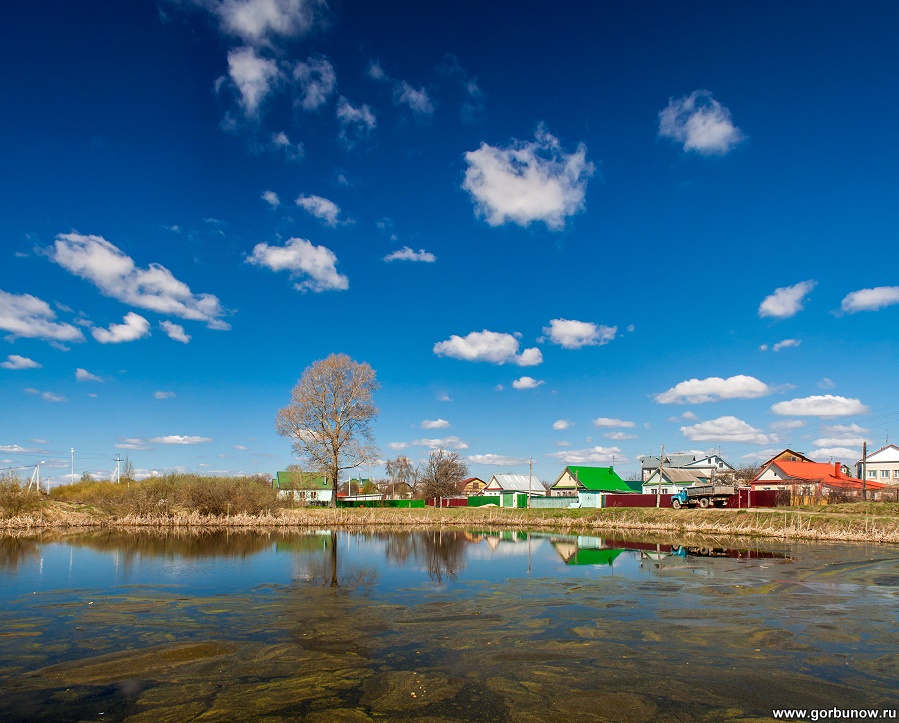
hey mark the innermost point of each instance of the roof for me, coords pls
(678, 459)
(292, 479)
(604, 556)
(824, 473)
(885, 452)
(518, 483)
(709, 462)
(599, 479)
(679, 476)
(801, 457)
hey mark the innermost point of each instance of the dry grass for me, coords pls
(878, 525)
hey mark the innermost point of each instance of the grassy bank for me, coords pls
(872, 522)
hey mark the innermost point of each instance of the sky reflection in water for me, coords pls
(452, 625)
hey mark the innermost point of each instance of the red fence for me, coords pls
(449, 501)
(744, 498)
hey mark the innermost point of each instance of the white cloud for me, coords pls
(398, 445)
(407, 254)
(444, 397)
(688, 416)
(786, 301)
(500, 460)
(259, 22)
(271, 198)
(610, 422)
(115, 275)
(593, 455)
(726, 429)
(870, 299)
(527, 383)
(323, 209)
(824, 405)
(281, 143)
(317, 81)
(46, 396)
(298, 256)
(528, 181)
(83, 375)
(445, 443)
(700, 123)
(240, 448)
(561, 424)
(14, 361)
(619, 436)
(786, 344)
(132, 443)
(254, 77)
(570, 334)
(434, 424)
(163, 395)
(489, 346)
(836, 453)
(16, 449)
(375, 71)
(837, 441)
(177, 439)
(788, 424)
(417, 99)
(843, 435)
(355, 123)
(24, 315)
(714, 389)
(826, 383)
(134, 327)
(175, 331)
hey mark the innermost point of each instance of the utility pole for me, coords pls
(865, 470)
(530, 483)
(118, 462)
(659, 485)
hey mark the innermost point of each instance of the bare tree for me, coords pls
(329, 417)
(402, 474)
(745, 473)
(441, 473)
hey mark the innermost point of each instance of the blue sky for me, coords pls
(569, 232)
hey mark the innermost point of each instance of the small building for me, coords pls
(880, 466)
(472, 486)
(674, 480)
(577, 479)
(713, 467)
(308, 487)
(812, 481)
(675, 460)
(501, 483)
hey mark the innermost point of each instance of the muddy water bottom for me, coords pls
(441, 627)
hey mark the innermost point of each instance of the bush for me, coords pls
(164, 496)
(15, 499)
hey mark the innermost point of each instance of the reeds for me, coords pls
(785, 523)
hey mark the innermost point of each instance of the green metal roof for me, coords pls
(603, 479)
(301, 481)
(605, 556)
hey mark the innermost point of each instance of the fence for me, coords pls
(381, 503)
(545, 503)
(447, 501)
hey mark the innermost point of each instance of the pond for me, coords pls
(441, 626)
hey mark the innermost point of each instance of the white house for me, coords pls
(711, 466)
(674, 480)
(881, 466)
(500, 483)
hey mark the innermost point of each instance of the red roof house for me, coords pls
(811, 479)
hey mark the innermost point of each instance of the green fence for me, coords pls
(481, 501)
(405, 504)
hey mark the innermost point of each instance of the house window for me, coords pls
(872, 473)
(885, 473)
(896, 473)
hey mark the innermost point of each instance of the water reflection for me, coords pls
(486, 625)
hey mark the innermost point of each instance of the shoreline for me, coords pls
(784, 523)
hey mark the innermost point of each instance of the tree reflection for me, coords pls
(442, 552)
(318, 564)
(16, 550)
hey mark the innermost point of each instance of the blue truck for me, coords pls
(703, 495)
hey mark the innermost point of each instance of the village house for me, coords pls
(577, 479)
(306, 487)
(810, 482)
(880, 466)
(524, 483)
(676, 460)
(674, 480)
(472, 486)
(713, 467)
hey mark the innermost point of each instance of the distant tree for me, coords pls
(402, 474)
(634, 477)
(329, 417)
(441, 473)
(86, 477)
(368, 487)
(128, 470)
(745, 473)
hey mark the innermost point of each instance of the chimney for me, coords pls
(838, 470)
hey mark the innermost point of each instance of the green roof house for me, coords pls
(303, 486)
(575, 479)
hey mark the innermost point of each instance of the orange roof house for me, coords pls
(811, 478)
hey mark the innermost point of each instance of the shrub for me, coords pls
(15, 499)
